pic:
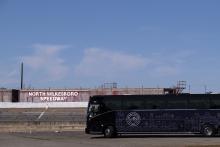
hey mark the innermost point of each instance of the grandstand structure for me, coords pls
(74, 95)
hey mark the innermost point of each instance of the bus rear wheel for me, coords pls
(208, 131)
(109, 132)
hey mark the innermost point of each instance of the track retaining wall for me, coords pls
(41, 119)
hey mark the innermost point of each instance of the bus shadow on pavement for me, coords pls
(156, 136)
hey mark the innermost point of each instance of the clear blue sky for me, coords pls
(84, 43)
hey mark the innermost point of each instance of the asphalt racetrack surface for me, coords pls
(80, 139)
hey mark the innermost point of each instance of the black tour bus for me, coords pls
(139, 114)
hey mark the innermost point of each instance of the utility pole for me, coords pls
(22, 74)
(189, 89)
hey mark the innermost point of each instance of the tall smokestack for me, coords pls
(22, 74)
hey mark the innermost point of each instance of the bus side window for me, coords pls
(155, 103)
(175, 103)
(133, 103)
(161, 104)
(149, 104)
(111, 104)
(198, 103)
(215, 103)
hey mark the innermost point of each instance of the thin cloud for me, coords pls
(166, 70)
(169, 63)
(9, 77)
(101, 63)
(46, 60)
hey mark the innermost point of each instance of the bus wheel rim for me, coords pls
(107, 131)
(208, 131)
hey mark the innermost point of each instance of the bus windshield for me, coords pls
(94, 109)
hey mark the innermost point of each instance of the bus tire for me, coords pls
(109, 132)
(208, 131)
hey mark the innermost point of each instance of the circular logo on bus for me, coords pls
(133, 119)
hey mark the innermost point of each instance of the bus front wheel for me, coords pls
(109, 132)
(208, 131)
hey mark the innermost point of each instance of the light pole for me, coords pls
(22, 74)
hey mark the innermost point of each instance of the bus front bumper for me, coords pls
(86, 130)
